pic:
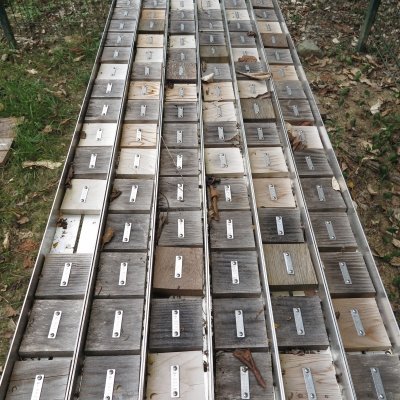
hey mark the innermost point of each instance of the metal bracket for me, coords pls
(138, 135)
(181, 228)
(179, 192)
(216, 70)
(109, 388)
(127, 232)
(272, 192)
(247, 68)
(178, 267)
(279, 225)
(109, 87)
(309, 162)
(121, 25)
(222, 159)
(84, 194)
(253, 88)
(143, 108)
(134, 192)
(92, 162)
(179, 161)
(144, 90)
(357, 322)
(288, 262)
(182, 40)
(273, 39)
(329, 228)
(235, 272)
(175, 392)
(55, 322)
(37, 387)
(117, 324)
(267, 160)
(181, 91)
(65, 275)
(114, 70)
(256, 108)
(180, 112)
(321, 194)
(228, 193)
(218, 91)
(239, 324)
(211, 38)
(310, 387)
(149, 39)
(289, 90)
(219, 111)
(99, 134)
(116, 54)
(179, 136)
(298, 320)
(221, 134)
(242, 39)
(229, 229)
(295, 110)
(146, 70)
(244, 383)
(277, 56)
(183, 57)
(180, 70)
(151, 24)
(260, 134)
(123, 273)
(379, 388)
(176, 326)
(282, 73)
(182, 27)
(345, 273)
(104, 110)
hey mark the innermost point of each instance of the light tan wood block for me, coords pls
(309, 136)
(139, 135)
(98, 135)
(249, 89)
(209, 5)
(112, 71)
(149, 55)
(181, 5)
(269, 27)
(144, 90)
(237, 15)
(88, 234)
(181, 92)
(224, 162)
(152, 14)
(219, 112)
(284, 73)
(182, 42)
(149, 41)
(221, 91)
(274, 192)
(268, 162)
(137, 163)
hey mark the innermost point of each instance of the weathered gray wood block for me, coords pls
(137, 163)
(274, 193)
(347, 275)
(107, 88)
(64, 276)
(130, 232)
(178, 271)
(280, 225)
(312, 163)
(181, 71)
(135, 4)
(229, 335)
(128, 13)
(123, 26)
(179, 162)
(214, 53)
(218, 91)
(232, 194)
(240, 39)
(257, 109)
(262, 134)
(296, 111)
(237, 15)
(211, 26)
(139, 135)
(224, 162)
(239, 26)
(228, 374)
(233, 231)
(119, 39)
(165, 336)
(103, 110)
(40, 340)
(181, 15)
(250, 89)
(221, 72)
(97, 134)
(247, 67)
(116, 55)
(148, 25)
(180, 135)
(278, 40)
(180, 112)
(265, 15)
(207, 15)
(287, 90)
(269, 27)
(126, 377)
(235, 274)
(92, 162)
(182, 27)
(268, 162)
(182, 42)
(174, 197)
(309, 136)
(142, 111)
(235, 4)
(221, 134)
(149, 40)
(182, 55)
(154, 4)
(146, 71)
(212, 39)
(109, 336)
(25, 373)
(309, 332)
(278, 56)
(289, 267)
(262, 4)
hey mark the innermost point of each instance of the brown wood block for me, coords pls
(24, 375)
(181, 15)
(342, 238)
(36, 343)
(268, 162)
(239, 26)
(146, 71)
(225, 281)
(101, 338)
(388, 368)
(269, 27)
(359, 284)
(270, 229)
(170, 281)
(180, 27)
(95, 370)
(321, 196)
(191, 375)
(243, 236)
(181, 55)
(212, 39)
(274, 193)
(122, 26)
(296, 111)
(224, 162)
(262, 134)
(163, 337)
(214, 54)
(97, 135)
(225, 329)
(139, 230)
(139, 135)
(221, 72)
(119, 39)
(137, 163)
(265, 14)
(105, 89)
(127, 202)
(284, 73)
(142, 111)
(180, 111)
(82, 161)
(228, 375)
(181, 92)
(234, 4)
(103, 110)
(373, 335)
(170, 159)
(153, 54)
(168, 233)
(180, 135)
(312, 163)
(323, 374)
(149, 40)
(153, 14)
(275, 40)
(181, 71)
(287, 90)
(244, 54)
(147, 25)
(51, 283)
(115, 55)
(232, 194)
(110, 283)
(278, 56)
(262, 3)
(211, 26)
(168, 193)
(221, 134)
(247, 67)
(144, 90)
(250, 89)
(257, 109)
(303, 277)
(237, 15)
(219, 112)
(221, 91)
(313, 333)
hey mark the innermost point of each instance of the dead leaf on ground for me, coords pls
(10, 312)
(77, 59)
(107, 237)
(23, 220)
(115, 194)
(335, 184)
(371, 190)
(27, 246)
(208, 78)
(395, 262)
(42, 164)
(28, 262)
(47, 129)
(396, 243)
(6, 241)
(375, 108)
(31, 71)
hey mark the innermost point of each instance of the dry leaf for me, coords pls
(77, 59)
(115, 194)
(70, 175)
(208, 78)
(9, 312)
(247, 59)
(244, 355)
(335, 184)
(396, 243)
(47, 129)
(376, 107)
(371, 190)
(23, 220)
(6, 241)
(107, 237)
(44, 164)
(260, 76)
(31, 71)
(395, 262)
(28, 262)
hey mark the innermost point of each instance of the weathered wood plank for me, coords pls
(182, 55)
(268, 162)
(180, 136)
(274, 193)
(112, 72)
(262, 3)
(181, 92)
(257, 109)
(234, 4)
(221, 72)
(212, 39)
(278, 40)
(154, 54)
(224, 162)
(237, 188)
(237, 15)
(239, 26)
(269, 27)
(265, 15)
(180, 111)
(221, 91)
(142, 111)
(146, 71)
(278, 56)
(241, 39)
(151, 25)
(149, 40)
(219, 112)
(247, 67)
(312, 163)
(88, 234)
(66, 234)
(97, 135)
(144, 90)
(244, 54)
(154, 4)
(290, 90)
(221, 134)
(139, 135)
(296, 111)
(209, 14)
(103, 110)
(122, 25)
(168, 193)
(182, 42)
(211, 26)
(83, 168)
(181, 5)
(182, 27)
(137, 163)
(119, 39)
(262, 134)
(249, 89)
(107, 88)
(181, 71)
(308, 135)
(181, 15)
(171, 159)
(214, 54)
(115, 54)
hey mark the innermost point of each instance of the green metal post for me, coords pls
(368, 22)
(5, 24)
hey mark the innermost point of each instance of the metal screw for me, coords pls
(57, 313)
(175, 393)
(175, 333)
(39, 378)
(175, 311)
(122, 282)
(178, 275)
(175, 368)
(235, 281)
(307, 370)
(51, 334)
(111, 372)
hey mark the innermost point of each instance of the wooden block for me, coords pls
(234, 4)
(191, 375)
(257, 109)
(180, 136)
(265, 14)
(239, 26)
(146, 71)
(66, 234)
(275, 40)
(333, 231)
(209, 5)
(180, 111)
(115, 54)
(180, 5)
(221, 91)
(211, 25)
(268, 162)
(139, 135)
(154, 54)
(296, 111)
(148, 41)
(178, 271)
(209, 14)
(98, 135)
(179, 162)
(214, 54)
(354, 281)
(152, 25)
(212, 39)
(127, 4)
(235, 274)
(323, 375)
(262, 4)
(5, 144)
(242, 226)
(191, 228)
(271, 229)
(169, 193)
(4, 154)
(134, 196)
(138, 232)
(310, 333)
(287, 90)
(299, 260)
(54, 283)
(103, 88)
(142, 111)
(284, 72)
(321, 196)
(232, 194)
(250, 89)
(182, 42)
(219, 112)
(36, 341)
(122, 26)
(228, 377)
(262, 134)
(274, 193)
(88, 234)
(182, 15)
(278, 56)
(84, 196)
(309, 137)
(312, 163)
(103, 110)
(102, 339)
(182, 55)
(23, 377)
(144, 90)
(181, 92)
(244, 54)
(234, 15)
(154, 4)
(111, 280)
(246, 67)
(221, 134)
(388, 368)
(221, 72)
(137, 163)
(181, 71)
(92, 162)
(163, 335)
(226, 330)
(126, 380)
(119, 39)
(224, 162)
(125, 13)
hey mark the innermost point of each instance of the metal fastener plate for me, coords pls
(329, 228)
(116, 54)
(109, 387)
(123, 273)
(136, 161)
(181, 92)
(66, 273)
(242, 38)
(127, 232)
(183, 57)
(178, 267)
(247, 68)
(221, 134)
(289, 90)
(228, 193)
(279, 225)
(92, 162)
(295, 110)
(37, 387)
(181, 228)
(229, 229)
(117, 324)
(298, 320)
(239, 324)
(179, 192)
(267, 160)
(321, 194)
(55, 322)
(235, 272)
(133, 195)
(219, 111)
(99, 134)
(179, 136)
(222, 159)
(180, 112)
(180, 70)
(357, 322)
(379, 388)
(149, 53)
(309, 162)
(104, 110)
(138, 135)
(244, 383)
(175, 392)
(272, 192)
(310, 387)
(143, 108)
(216, 69)
(176, 325)
(179, 161)
(146, 70)
(345, 273)
(109, 87)
(256, 108)
(84, 194)
(288, 262)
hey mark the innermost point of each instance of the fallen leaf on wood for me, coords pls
(107, 237)
(28, 262)
(251, 34)
(335, 184)
(9, 312)
(247, 59)
(115, 194)
(23, 220)
(208, 78)
(376, 107)
(244, 355)
(42, 164)
(62, 223)
(295, 138)
(213, 210)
